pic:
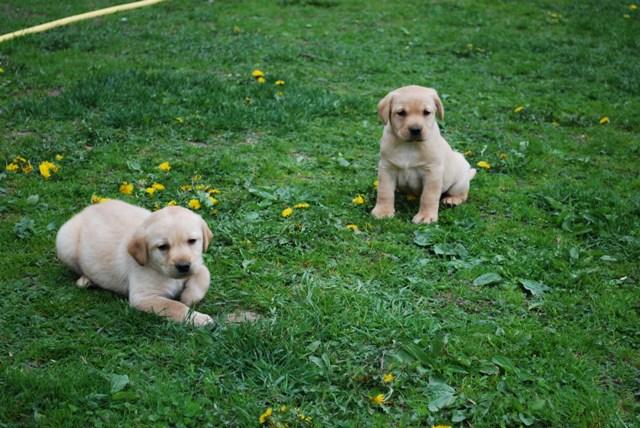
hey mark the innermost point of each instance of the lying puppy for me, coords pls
(152, 258)
(414, 158)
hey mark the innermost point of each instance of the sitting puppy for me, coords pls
(152, 258)
(414, 157)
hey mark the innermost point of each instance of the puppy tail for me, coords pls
(472, 173)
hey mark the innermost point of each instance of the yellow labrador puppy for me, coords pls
(414, 158)
(153, 258)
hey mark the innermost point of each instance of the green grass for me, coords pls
(118, 95)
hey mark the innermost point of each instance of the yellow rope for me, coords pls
(76, 18)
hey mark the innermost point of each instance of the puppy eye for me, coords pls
(163, 247)
(401, 113)
(192, 241)
(426, 112)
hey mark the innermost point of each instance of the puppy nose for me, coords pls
(415, 131)
(183, 267)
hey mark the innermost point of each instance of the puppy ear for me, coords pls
(384, 108)
(439, 106)
(206, 236)
(137, 247)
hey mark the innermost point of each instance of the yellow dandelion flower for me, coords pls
(95, 199)
(266, 415)
(158, 186)
(375, 184)
(26, 167)
(213, 201)
(518, 109)
(12, 167)
(165, 166)
(150, 191)
(388, 378)
(604, 120)
(59, 157)
(194, 204)
(279, 82)
(172, 203)
(186, 187)
(358, 200)
(633, 6)
(46, 168)
(440, 426)
(257, 73)
(378, 400)
(286, 212)
(503, 156)
(126, 188)
(213, 191)
(262, 80)
(483, 165)
(301, 205)
(352, 227)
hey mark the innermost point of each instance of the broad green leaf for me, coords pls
(487, 279)
(489, 369)
(503, 362)
(440, 395)
(317, 361)
(450, 250)
(134, 166)
(536, 288)
(422, 238)
(528, 420)
(574, 253)
(313, 346)
(418, 353)
(458, 416)
(118, 382)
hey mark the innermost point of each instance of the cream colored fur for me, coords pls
(414, 158)
(152, 258)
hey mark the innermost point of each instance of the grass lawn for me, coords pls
(519, 308)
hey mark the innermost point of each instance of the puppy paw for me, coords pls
(381, 212)
(453, 200)
(199, 319)
(425, 218)
(83, 282)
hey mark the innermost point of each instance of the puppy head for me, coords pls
(410, 111)
(171, 241)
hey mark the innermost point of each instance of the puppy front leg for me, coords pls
(385, 199)
(196, 287)
(172, 309)
(430, 198)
